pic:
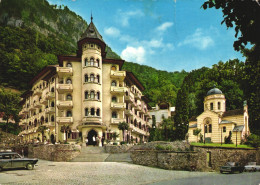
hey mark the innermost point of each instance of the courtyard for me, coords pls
(48, 172)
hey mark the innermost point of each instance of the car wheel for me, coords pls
(29, 166)
(221, 171)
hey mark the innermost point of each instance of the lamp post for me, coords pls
(204, 133)
(236, 138)
(221, 134)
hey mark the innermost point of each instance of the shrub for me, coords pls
(228, 139)
(122, 142)
(253, 140)
(159, 147)
(114, 143)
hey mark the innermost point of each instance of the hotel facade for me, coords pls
(84, 98)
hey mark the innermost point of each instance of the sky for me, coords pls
(171, 35)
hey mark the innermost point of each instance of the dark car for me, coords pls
(231, 167)
(10, 160)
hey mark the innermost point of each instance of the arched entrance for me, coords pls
(91, 135)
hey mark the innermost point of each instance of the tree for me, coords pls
(9, 105)
(167, 127)
(41, 129)
(196, 132)
(245, 17)
(123, 126)
(152, 130)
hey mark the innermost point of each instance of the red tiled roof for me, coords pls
(233, 112)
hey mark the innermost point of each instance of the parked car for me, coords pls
(10, 160)
(252, 167)
(231, 167)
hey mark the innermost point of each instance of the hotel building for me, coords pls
(84, 97)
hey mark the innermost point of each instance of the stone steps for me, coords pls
(121, 157)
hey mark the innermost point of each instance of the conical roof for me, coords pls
(91, 32)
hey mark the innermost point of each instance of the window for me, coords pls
(52, 89)
(224, 129)
(97, 62)
(92, 61)
(211, 106)
(86, 62)
(92, 94)
(52, 118)
(194, 132)
(114, 99)
(219, 106)
(210, 128)
(206, 129)
(46, 119)
(92, 78)
(69, 113)
(52, 104)
(40, 110)
(98, 95)
(98, 112)
(86, 111)
(69, 81)
(69, 65)
(114, 115)
(92, 111)
(86, 78)
(97, 78)
(86, 95)
(69, 97)
(113, 83)
(113, 68)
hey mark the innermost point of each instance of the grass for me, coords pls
(223, 145)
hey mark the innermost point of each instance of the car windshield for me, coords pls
(16, 156)
(230, 163)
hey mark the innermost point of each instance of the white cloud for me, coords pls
(198, 40)
(123, 17)
(112, 31)
(164, 26)
(134, 54)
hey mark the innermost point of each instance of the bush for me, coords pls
(122, 142)
(159, 147)
(253, 140)
(228, 139)
(114, 143)
(201, 138)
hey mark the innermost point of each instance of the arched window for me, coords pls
(126, 93)
(40, 110)
(86, 95)
(69, 64)
(114, 99)
(52, 118)
(210, 128)
(224, 129)
(86, 62)
(97, 78)
(206, 129)
(92, 78)
(69, 97)
(69, 81)
(113, 68)
(211, 106)
(92, 61)
(113, 83)
(52, 89)
(98, 112)
(86, 111)
(98, 95)
(69, 114)
(97, 62)
(219, 106)
(52, 104)
(92, 112)
(135, 123)
(86, 78)
(114, 115)
(46, 120)
(92, 94)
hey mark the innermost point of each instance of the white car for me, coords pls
(252, 167)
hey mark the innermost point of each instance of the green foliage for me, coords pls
(196, 132)
(253, 140)
(228, 139)
(123, 126)
(12, 128)
(115, 135)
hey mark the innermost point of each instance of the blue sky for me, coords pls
(168, 35)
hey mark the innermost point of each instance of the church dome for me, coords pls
(214, 91)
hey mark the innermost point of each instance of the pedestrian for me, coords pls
(94, 140)
(98, 140)
(86, 140)
(102, 140)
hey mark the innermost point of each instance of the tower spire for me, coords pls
(91, 16)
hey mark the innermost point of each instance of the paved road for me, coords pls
(48, 172)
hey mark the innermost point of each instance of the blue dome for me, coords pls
(214, 91)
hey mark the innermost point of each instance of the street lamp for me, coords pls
(221, 134)
(204, 133)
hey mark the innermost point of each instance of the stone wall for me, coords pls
(60, 152)
(117, 148)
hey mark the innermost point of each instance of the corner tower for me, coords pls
(215, 101)
(91, 50)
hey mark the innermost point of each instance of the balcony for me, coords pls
(138, 131)
(64, 104)
(118, 74)
(50, 95)
(118, 90)
(49, 124)
(137, 107)
(130, 97)
(65, 120)
(116, 120)
(44, 101)
(128, 112)
(63, 88)
(94, 120)
(37, 104)
(25, 110)
(32, 108)
(64, 71)
(115, 105)
(37, 92)
(50, 110)
(138, 96)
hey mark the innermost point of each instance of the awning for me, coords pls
(193, 126)
(226, 122)
(238, 128)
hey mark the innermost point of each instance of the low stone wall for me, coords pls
(117, 148)
(59, 152)
(145, 157)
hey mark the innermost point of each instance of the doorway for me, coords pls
(92, 137)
